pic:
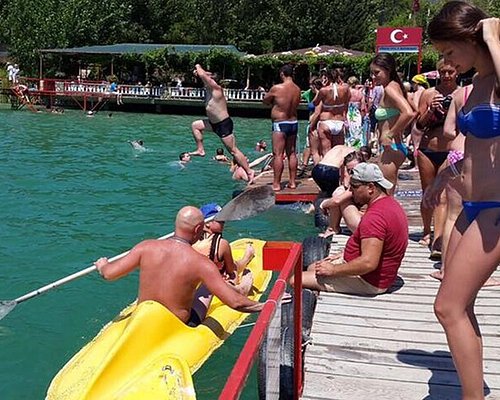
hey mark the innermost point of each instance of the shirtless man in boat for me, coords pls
(218, 121)
(171, 270)
(284, 98)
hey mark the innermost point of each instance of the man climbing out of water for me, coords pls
(218, 249)
(171, 270)
(284, 99)
(218, 121)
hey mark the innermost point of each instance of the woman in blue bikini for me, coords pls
(394, 114)
(469, 39)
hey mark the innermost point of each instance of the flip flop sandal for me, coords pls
(435, 255)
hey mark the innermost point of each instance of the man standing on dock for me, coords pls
(218, 121)
(284, 98)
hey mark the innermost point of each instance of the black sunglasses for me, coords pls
(358, 184)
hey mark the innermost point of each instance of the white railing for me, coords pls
(231, 94)
(160, 92)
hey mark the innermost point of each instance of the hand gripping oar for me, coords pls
(245, 205)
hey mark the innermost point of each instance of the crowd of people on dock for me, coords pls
(358, 139)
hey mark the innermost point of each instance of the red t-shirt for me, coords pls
(385, 220)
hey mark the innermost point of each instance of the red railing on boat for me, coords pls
(286, 257)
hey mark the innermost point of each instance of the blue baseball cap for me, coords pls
(210, 209)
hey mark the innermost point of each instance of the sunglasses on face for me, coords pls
(358, 184)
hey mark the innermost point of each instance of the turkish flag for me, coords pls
(399, 37)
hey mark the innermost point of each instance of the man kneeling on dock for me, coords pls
(171, 270)
(372, 256)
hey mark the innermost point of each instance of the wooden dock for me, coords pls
(392, 346)
(408, 191)
(306, 190)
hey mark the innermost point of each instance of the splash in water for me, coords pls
(138, 145)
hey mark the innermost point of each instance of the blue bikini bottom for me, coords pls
(473, 208)
(398, 147)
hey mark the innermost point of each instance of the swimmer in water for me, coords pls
(184, 158)
(137, 145)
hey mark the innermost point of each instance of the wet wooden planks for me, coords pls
(391, 346)
(306, 190)
(408, 191)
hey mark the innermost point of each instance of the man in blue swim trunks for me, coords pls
(218, 121)
(284, 99)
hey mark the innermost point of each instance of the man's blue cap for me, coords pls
(210, 209)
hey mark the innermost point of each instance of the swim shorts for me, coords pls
(289, 128)
(223, 128)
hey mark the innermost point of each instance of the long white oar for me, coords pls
(247, 204)
(7, 306)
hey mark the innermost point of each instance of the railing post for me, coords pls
(297, 330)
(285, 257)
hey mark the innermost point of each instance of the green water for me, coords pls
(74, 190)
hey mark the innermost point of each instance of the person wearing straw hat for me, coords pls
(370, 261)
(420, 83)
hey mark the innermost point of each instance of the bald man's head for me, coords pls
(190, 222)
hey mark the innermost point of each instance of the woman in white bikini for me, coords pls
(333, 100)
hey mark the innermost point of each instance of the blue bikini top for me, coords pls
(482, 121)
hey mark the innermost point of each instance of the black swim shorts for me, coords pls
(223, 128)
(194, 319)
(326, 177)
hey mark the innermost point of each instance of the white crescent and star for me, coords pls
(396, 40)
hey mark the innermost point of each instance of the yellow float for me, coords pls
(148, 353)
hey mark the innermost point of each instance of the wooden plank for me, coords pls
(328, 386)
(324, 322)
(391, 346)
(378, 303)
(438, 361)
(388, 315)
(323, 342)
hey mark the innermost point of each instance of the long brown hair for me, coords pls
(457, 21)
(388, 62)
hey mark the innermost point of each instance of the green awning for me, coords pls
(140, 48)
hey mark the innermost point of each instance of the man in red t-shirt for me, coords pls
(372, 256)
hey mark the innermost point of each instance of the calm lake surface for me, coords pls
(74, 190)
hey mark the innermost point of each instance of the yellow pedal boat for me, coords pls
(148, 353)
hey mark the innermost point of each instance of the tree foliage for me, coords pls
(254, 26)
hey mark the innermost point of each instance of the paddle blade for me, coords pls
(249, 203)
(6, 307)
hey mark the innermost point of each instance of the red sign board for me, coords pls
(399, 37)
(400, 40)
